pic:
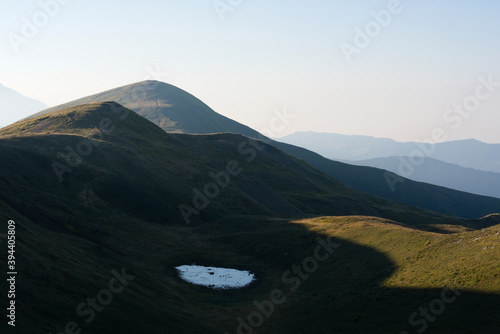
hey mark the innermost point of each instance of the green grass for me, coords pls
(118, 208)
(466, 258)
(381, 273)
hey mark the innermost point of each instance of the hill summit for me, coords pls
(171, 108)
(88, 120)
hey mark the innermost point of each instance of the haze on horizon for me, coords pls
(251, 58)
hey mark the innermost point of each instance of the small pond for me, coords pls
(215, 278)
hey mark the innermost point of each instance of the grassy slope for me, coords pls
(114, 212)
(144, 171)
(460, 257)
(175, 110)
(381, 273)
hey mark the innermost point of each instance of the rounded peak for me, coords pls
(88, 120)
(152, 84)
(90, 106)
(151, 81)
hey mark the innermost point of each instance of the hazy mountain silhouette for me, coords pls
(466, 153)
(440, 173)
(16, 106)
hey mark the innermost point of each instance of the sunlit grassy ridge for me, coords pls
(85, 120)
(468, 259)
(381, 273)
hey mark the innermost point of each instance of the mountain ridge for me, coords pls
(170, 114)
(468, 153)
(142, 96)
(273, 182)
(440, 173)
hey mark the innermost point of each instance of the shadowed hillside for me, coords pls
(114, 213)
(105, 155)
(178, 111)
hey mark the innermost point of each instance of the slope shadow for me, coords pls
(342, 295)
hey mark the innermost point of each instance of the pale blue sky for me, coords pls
(272, 54)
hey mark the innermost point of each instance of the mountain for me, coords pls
(16, 106)
(344, 147)
(109, 153)
(470, 154)
(170, 108)
(94, 192)
(440, 173)
(465, 153)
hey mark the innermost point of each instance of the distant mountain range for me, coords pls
(440, 173)
(15, 106)
(466, 153)
(175, 110)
